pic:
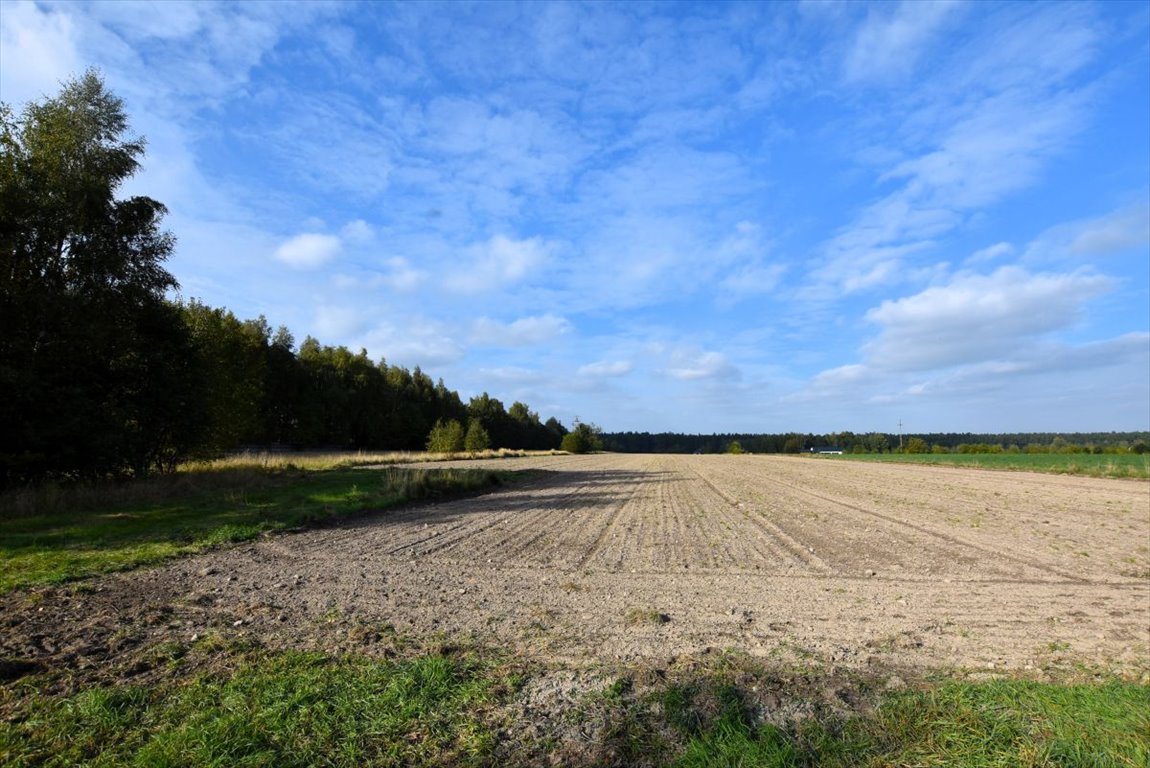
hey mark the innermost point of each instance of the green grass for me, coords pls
(303, 709)
(286, 709)
(73, 534)
(1093, 465)
(1002, 724)
(1011, 724)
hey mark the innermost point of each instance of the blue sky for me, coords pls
(693, 217)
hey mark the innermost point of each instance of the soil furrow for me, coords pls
(778, 539)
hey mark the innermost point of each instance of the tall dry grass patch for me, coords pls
(239, 473)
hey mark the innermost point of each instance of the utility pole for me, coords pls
(900, 434)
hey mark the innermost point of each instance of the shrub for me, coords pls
(477, 438)
(446, 437)
(916, 445)
(583, 439)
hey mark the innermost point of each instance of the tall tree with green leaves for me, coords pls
(94, 376)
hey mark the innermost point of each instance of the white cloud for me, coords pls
(606, 369)
(1065, 362)
(992, 151)
(754, 280)
(1128, 228)
(749, 273)
(1121, 230)
(401, 276)
(38, 51)
(394, 274)
(521, 332)
(308, 251)
(510, 375)
(989, 253)
(415, 341)
(667, 160)
(707, 365)
(358, 231)
(498, 263)
(964, 145)
(841, 376)
(834, 382)
(1028, 46)
(1129, 347)
(977, 317)
(1042, 383)
(892, 38)
(860, 263)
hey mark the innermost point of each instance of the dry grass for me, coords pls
(244, 472)
(343, 460)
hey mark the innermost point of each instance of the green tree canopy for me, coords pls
(94, 364)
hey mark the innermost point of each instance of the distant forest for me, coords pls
(880, 442)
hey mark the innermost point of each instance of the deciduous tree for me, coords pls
(90, 351)
(477, 438)
(446, 437)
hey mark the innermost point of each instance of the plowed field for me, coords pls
(623, 557)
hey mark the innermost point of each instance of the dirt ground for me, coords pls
(657, 559)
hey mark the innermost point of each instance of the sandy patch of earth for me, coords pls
(635, 558)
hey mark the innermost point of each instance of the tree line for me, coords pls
(102, 375)
(879, 442)
(254, 389)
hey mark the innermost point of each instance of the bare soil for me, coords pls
(661, 559)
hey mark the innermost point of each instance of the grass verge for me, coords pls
(1012, 724)
(258, 707)
(275, 709)
(1131, 465)
(81, 532)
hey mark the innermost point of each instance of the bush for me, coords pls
(917, 445)
(477, 438)
(446, 437)
(583, 439)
